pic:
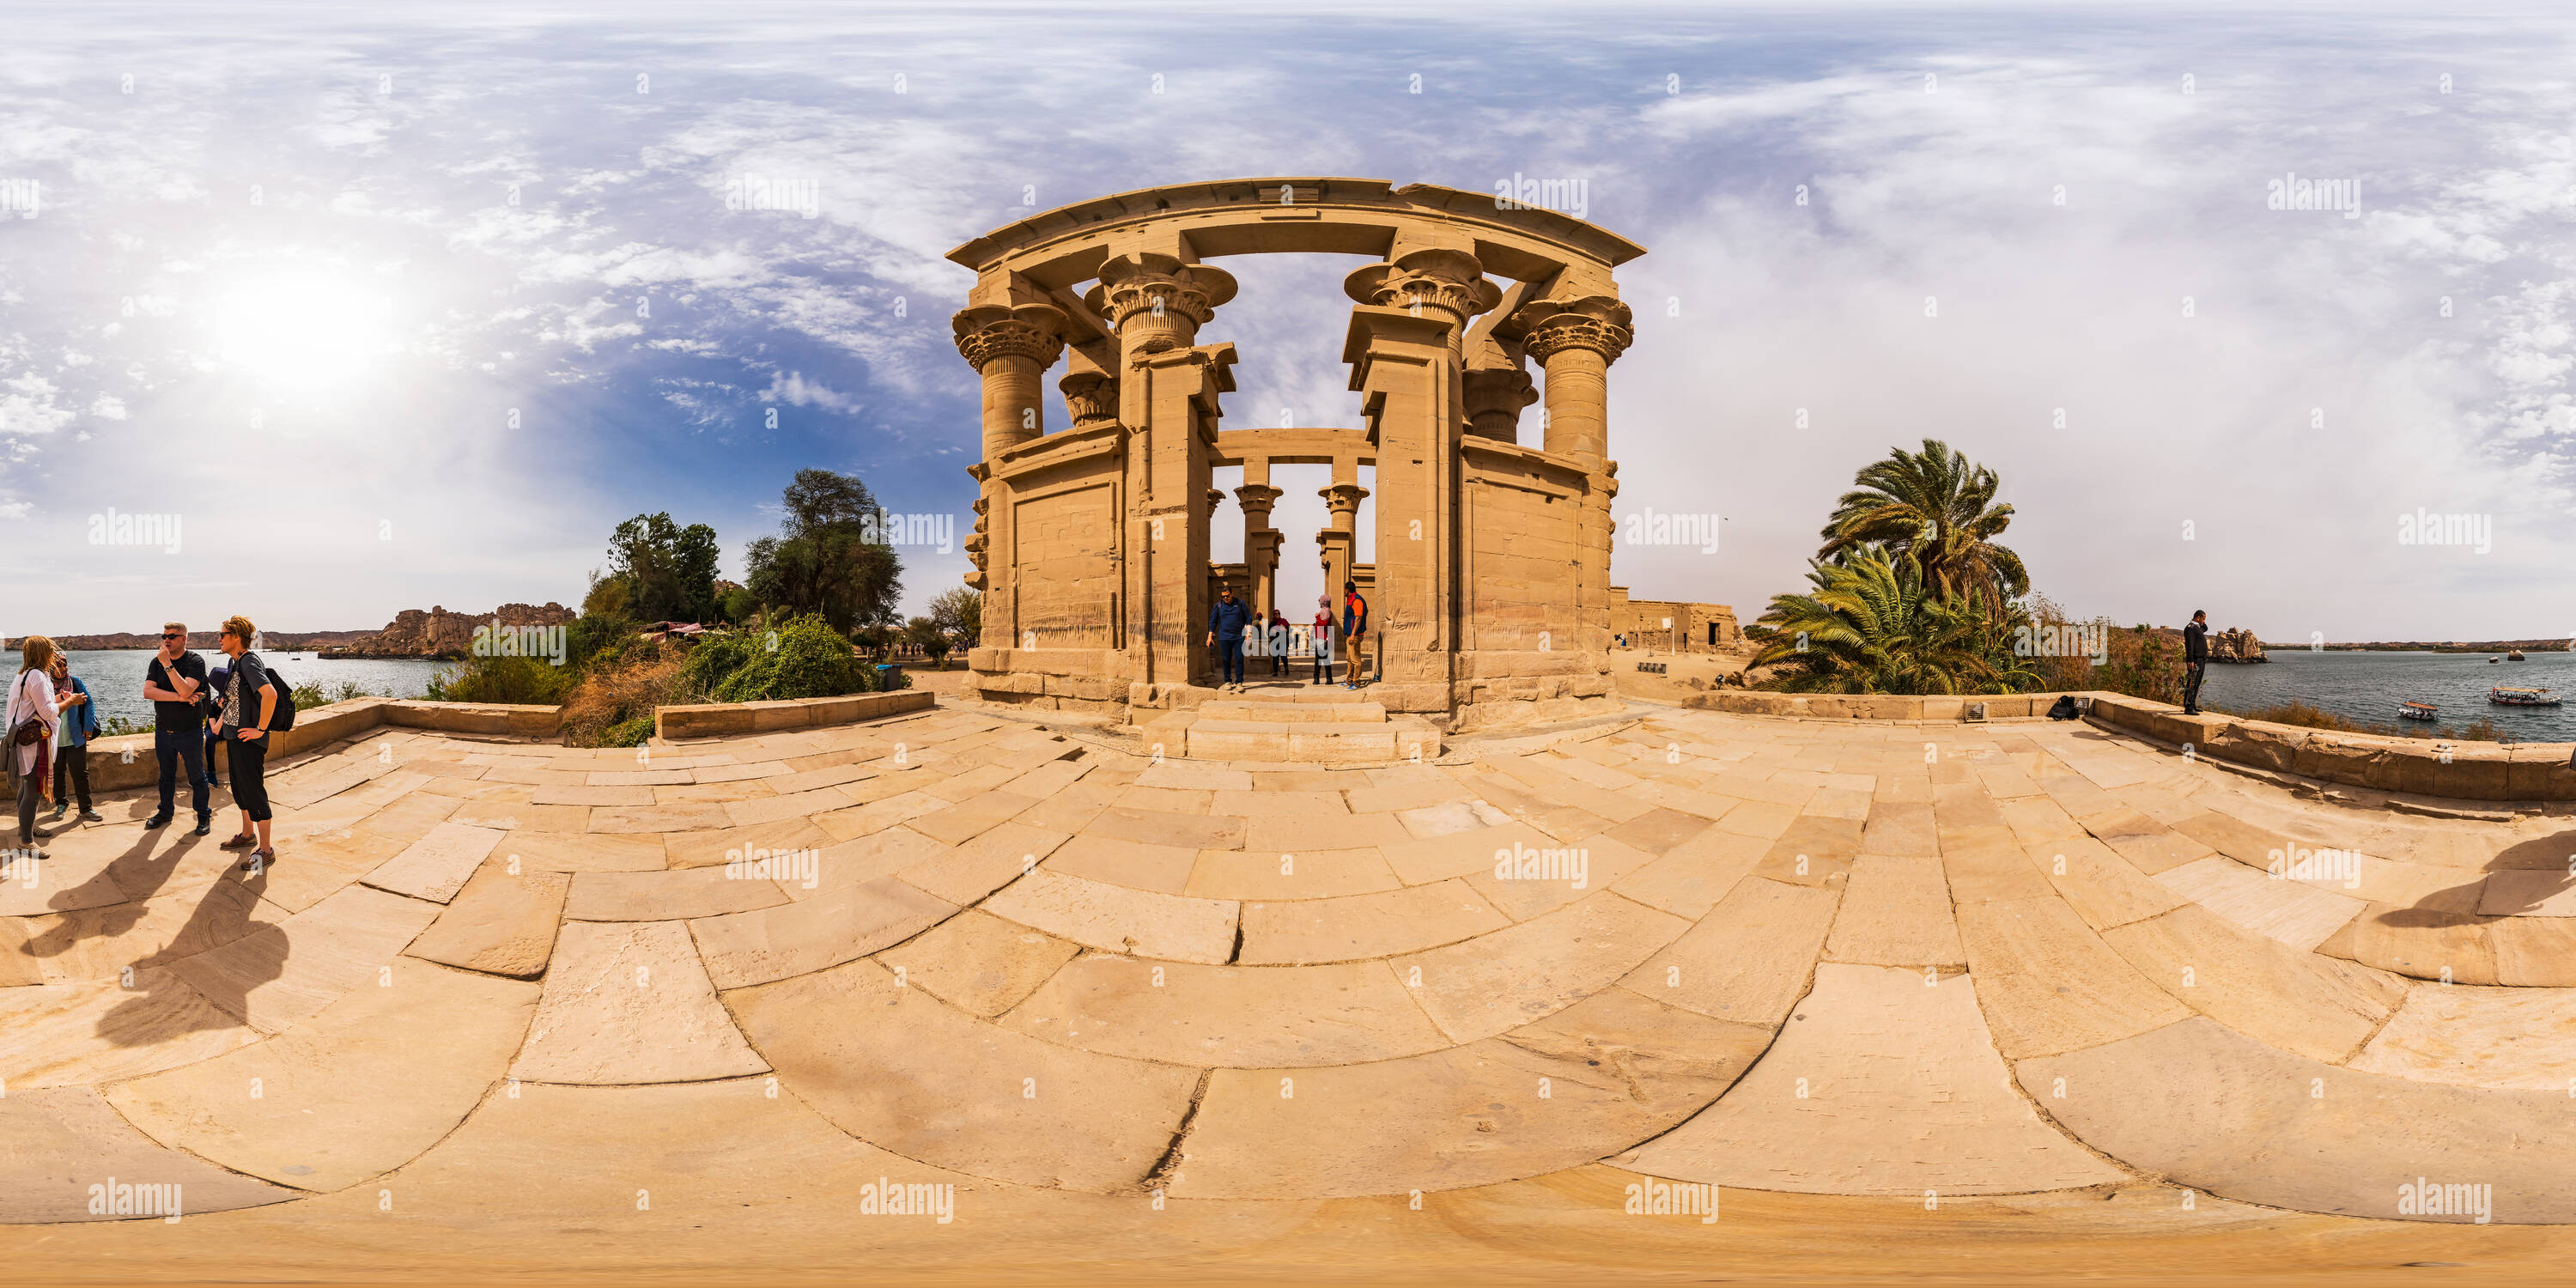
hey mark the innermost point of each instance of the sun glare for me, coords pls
(302, 328)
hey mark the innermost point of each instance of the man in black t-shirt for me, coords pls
(174, 681)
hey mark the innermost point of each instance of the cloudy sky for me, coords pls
(392, 311)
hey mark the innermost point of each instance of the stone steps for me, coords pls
(1308, 726)
(1295, 712)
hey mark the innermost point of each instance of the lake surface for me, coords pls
(2368, 686)
(115, 676)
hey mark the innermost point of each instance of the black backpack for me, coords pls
(285, 717)
(2065, 708)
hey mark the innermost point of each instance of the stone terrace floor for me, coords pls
(2008, 997)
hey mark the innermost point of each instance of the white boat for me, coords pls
(2505, 695)
(2419, 711)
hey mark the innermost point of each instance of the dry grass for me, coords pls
(619, 694)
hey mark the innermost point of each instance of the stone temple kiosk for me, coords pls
(1490, 581)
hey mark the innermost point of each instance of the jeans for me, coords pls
(1229, 657)
(2191, 677)
(250, 780)
(214, 757)
(172, 746)
(71, 775)
(31, 791)
(1323, 664)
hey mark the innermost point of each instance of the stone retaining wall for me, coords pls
(713, 719)
(2476, 771)
(1824, 706)
(126, 762)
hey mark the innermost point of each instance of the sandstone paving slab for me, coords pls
(2103, 888)
(562, 795)
(2207, 1107)
(1877, 1085)
(1298, 874)
(1156, 827)
(499, 924)
(1659, 831)
(2317, 1006)
(2543, 892)
(969, 873)
(876, 816)
(64, 1140)
(1138, 865)
(1749, 959)
(2460, 947)
(977, 962)
(627, 820)
(2531, 951)
(98, 943)
(411, 814)
(1549, 878)
(437, 865)
(97, 1031)
(902, 1070)
(1690, 878)
(1466, 853)
(1352, 927)
(509, 815)
(1895, 912)
(2039, 819)
(589, 852)
(1490, 1111)
(1232, 1016)
(1117, 919)
(2295, 913)
(2520, 1039)
(1449, 818)
(629, 1002)
(2049, 984)
(704, 793)
(1692, 800)
(18, 965)
(737, 844)
(1501, 981)
(314, 868)
(850, 922)
(362, 1088)
(1989, 865)
(279, 975)
(673, 895)
(971, 817)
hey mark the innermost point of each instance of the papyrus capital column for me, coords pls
(1575, 341)
(1010, 348)
(1441, 282)
(1156, 302)
(1494, 398)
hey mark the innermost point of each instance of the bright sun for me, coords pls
(302, 327)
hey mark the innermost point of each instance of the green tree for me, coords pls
(669, 572)
(1871, 625)
(960, 613)
(1938, 507)
(826, 558)
(926, 634)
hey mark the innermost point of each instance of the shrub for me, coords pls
(803, 658)
(515, 680)
(617, 698)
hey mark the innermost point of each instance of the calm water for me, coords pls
(2368, 686)
(115, 676)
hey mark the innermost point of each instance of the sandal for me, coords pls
(242, 842)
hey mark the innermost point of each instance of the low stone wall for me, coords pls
(126, 762)
(2476, 771)
(713, 719)
(1821, 706)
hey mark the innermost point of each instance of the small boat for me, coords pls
(2505, 695)
(2419, 711)
(2513, 656)
(2493, 660)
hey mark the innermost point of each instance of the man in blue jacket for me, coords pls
(1227, 619)
(80, 724)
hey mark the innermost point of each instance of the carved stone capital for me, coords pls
(1156, 302)
(1594, 322)
(1343, 499)
(1450, 281)
(1032, 331)
(1091, 396)
(1256, 500)
(1494, 397)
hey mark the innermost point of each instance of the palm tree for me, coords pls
(1871, 625)
(1938, 507)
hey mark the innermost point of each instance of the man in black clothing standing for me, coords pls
(2195, 660)
(173, 682)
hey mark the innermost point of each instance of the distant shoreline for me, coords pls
(2488, 646)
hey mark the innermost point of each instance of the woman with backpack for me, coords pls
(251, 703)
(31, 718)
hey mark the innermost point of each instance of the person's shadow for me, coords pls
(2551, 861)
(240, 951)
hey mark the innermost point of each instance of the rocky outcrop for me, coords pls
(441, 634)
(2235, 646)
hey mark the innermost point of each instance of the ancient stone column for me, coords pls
(1260, 544)
(1495, 396)
(1092, 398)
(1343, 500)
(1010, 348)
(1575, 341)
(1435, 282)
(1156, 302)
